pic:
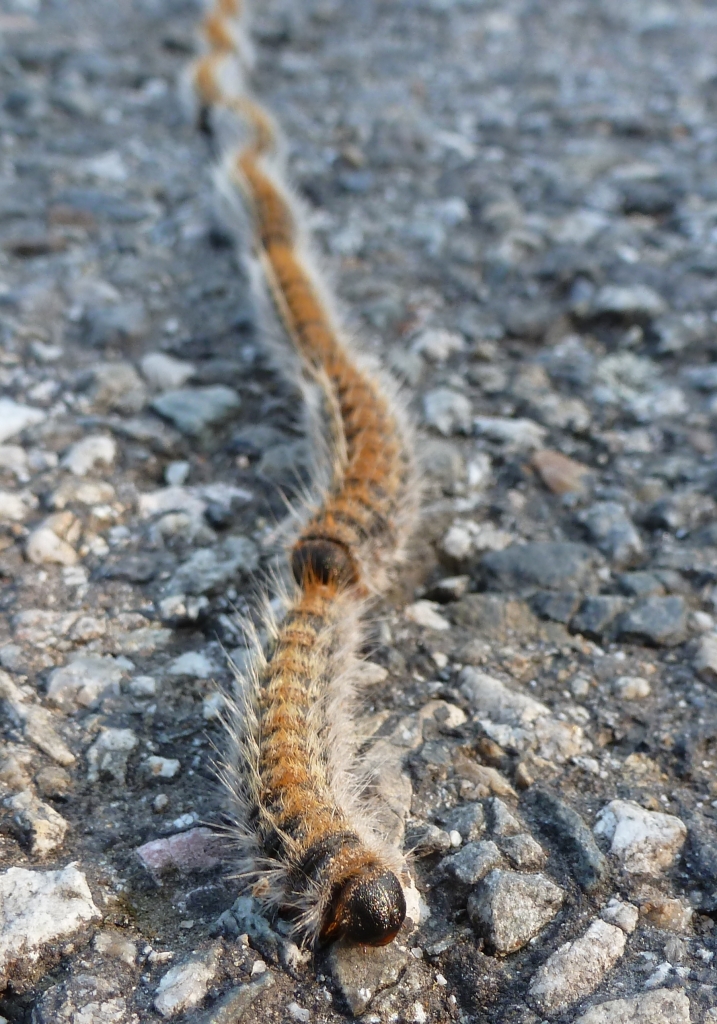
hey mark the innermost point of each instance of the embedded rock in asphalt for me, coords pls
(194, 410)
(661, 1006)
(577, 968)
(611, 529)
(359, 972)
(509, 908)
(540, 565)
(646, 842)
(658, 621)
(37, 908)
(185, 985)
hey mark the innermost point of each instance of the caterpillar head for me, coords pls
(368, 908)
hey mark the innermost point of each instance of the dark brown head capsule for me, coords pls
(368, 909)
(322, 561)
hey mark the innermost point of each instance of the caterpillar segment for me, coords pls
(309, 849)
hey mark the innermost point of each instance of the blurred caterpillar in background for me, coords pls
(307, 846)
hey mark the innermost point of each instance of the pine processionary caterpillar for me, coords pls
(308, 849)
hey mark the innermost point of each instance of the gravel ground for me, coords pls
(517, 205)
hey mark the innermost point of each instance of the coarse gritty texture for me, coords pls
(537, 181)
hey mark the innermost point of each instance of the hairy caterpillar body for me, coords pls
(309, 850)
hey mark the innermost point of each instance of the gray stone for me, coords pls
(660, 621)
(116, 387)
(596, 615)
(575, 839)
(83, 999)
(423, 839)
(85, 679)
(609, 526)
(640, 584)
(108, 756)
(520, 434)
(211, 568)
(194, 410)
(117, 324)
(523, 852)
(359, 972)
(544, 565)
(509, 908)
(577, 968)
(705, 658)
(661, 1006)
(232, 1007)
(38, 908)
(467, 819)
(502, 822)
(163, 372)
(448, 411)
(556, 606)
(473, 862)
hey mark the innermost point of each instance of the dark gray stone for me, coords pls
(233, 1005)
(468, 819)
(596, 615)
(556, 606)
(609, 526)
(115, 325)
(575, 839)
(473, 862)
(640, 584)
(660, 621)
(544, 565)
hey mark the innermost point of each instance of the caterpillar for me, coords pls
(308, 849)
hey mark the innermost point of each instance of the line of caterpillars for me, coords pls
(298, 819)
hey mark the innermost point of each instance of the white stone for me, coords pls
(514, 433)
(194, 663)
(108, 755)
(629, 299)
(448, 411)
(624, 915)
(213, 705)
(85, 679)
(426, 614)
(163, 372)
(646, 842)
(82, 492)
(15, 417)
(162, 767)
(705, 660)
(632, 687)
(44, 547)
(38, 908)
(662, 1006)
(16, 505)
(438, 344)
(186, 984)
(299, 1013)
(45, 828)
(14, 459)
(576, 968)
(143, 686)
(176, 473)
(84, 455)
